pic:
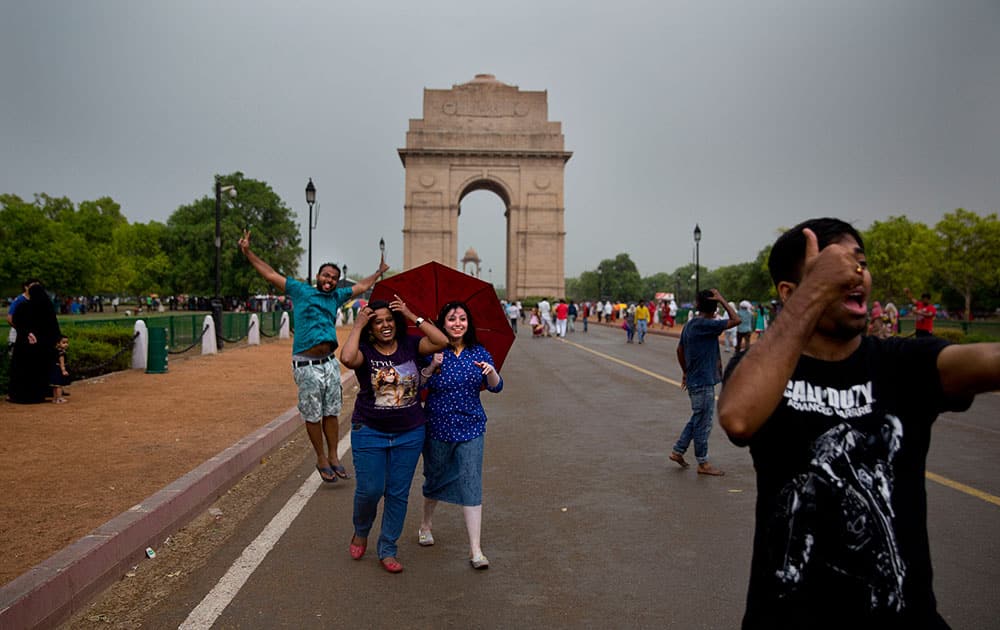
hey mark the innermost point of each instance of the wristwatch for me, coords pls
(418, 321)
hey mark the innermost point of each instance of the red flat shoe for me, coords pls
(357, 550)
(392, 565)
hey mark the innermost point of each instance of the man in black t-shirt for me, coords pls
(838, 426)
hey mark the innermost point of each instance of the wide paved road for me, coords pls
(586, 523)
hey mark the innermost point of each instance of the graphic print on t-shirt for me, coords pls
(834, 522)
(395, 386)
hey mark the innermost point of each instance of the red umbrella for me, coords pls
(427, 288)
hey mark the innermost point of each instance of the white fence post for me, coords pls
(285, 331)
(208, 345)
(253, 332)
(141, 345)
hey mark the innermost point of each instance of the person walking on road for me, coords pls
(745, 328)
(838, 425)
(456, 421)
(925, 312)
(388, 430)
(700, 361)
(314, 366)
(562, 317)
(545, 312)
(513, 313)
(641, 321)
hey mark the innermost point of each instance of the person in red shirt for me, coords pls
(562, 313)
(925, 312)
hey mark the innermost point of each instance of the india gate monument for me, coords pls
(487, 135)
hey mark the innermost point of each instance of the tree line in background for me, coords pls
(92, 249)
(957, 262)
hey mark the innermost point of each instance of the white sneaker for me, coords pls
(424, 539)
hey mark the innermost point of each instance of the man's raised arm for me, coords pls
(262, 267)
(363, 285)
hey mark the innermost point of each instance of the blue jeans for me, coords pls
(384, 464)
(699, 426)
(640, 326)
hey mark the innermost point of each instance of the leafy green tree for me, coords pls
(586, 287)
(144, 266)
(900, 254)
(968, 254)
(620, 278)
(660, 281)
(35, 243)
(190, 242)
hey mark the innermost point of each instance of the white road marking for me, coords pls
(208, 610)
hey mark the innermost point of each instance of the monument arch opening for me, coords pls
(482, 224)
(487, 135)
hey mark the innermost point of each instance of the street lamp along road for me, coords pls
(310, 199)
(381, 248)
(217, 300)
(697, 261)
(219, 190)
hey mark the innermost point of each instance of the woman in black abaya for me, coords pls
(34, 350)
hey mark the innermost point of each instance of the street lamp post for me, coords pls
(346, 280)
(217, 300)
(697, 261)
(310, 199)
(219, 190)
(381, 248)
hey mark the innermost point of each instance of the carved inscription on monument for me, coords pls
(470, 105)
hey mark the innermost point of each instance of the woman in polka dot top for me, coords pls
(456, 426)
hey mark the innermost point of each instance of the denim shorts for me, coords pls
(453, 471)
(320, 392)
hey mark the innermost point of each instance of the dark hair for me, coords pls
(789, 251)
(328, 264)
(397, 317)
(706, 302)
(925, 296)
(469, 338)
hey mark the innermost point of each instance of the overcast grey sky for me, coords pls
(742, 116)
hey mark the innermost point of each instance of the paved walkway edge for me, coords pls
(50, 592)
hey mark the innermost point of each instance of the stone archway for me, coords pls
(487, 135)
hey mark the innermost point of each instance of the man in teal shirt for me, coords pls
(314, 366)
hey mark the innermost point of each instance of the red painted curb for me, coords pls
(50, 592)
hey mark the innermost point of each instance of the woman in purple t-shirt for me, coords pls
(388, 423)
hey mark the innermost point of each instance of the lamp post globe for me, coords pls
(697, 260)
(310, 199)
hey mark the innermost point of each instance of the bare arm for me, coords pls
(350, 353)
(683, 363)
(734, 318)
(264, 269)
(967, 370)
(490, 372)
(757, 383)
(365, 284)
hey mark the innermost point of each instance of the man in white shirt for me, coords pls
(545, 312)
